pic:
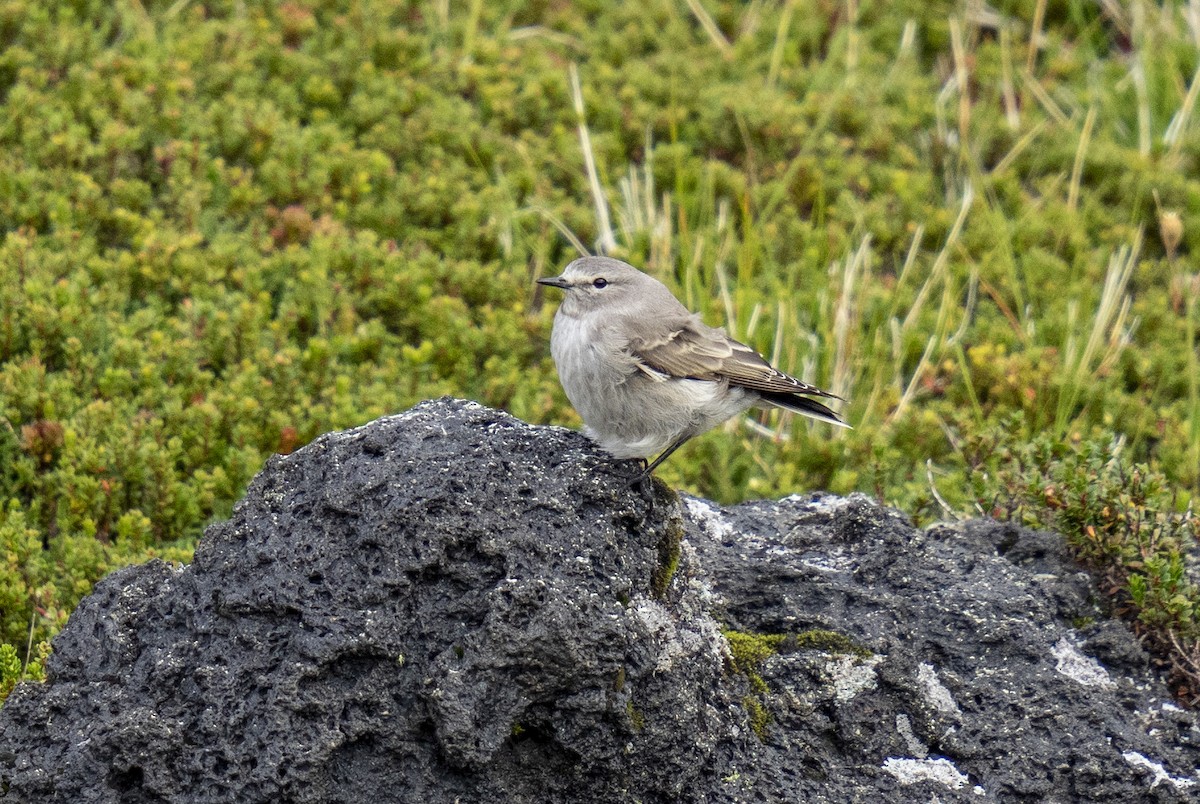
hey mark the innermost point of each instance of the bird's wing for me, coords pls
(685, 347)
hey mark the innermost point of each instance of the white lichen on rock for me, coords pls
(935, 692)
(912, 771)
(1159, 772)
(851, 675)
(1080, 668)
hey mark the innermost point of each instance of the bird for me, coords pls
(646, 374)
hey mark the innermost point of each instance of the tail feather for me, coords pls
(804, 406)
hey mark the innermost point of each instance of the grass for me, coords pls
(231, 226)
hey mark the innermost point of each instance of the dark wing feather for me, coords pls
(805, 406)
(679, 349)
(688, 348)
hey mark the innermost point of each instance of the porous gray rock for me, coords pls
(451, 605)
(994, 674)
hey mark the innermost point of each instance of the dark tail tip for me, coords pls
(804, 406)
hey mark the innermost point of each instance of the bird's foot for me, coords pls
(643, 481)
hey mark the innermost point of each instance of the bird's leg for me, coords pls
(645, 488)
(641, 482)
(644, 475)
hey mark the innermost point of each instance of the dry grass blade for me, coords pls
(937, 276)
(1035, 35)
(947, 510)
(962, 81)
(638, 209)
(780, 331)
(908, 42)
(763, 431)
(541, 31)
(605, 240)
(1179, 123)
(1110, 333)
(1012, 114)
(781, 37)
(472, 30)
(1138, 73)
(1085, 138)
(910, 257)
(969, 308)
(940, 264)
(1192, 15)
(851, 37)
(1109, 323)
(726, 296)
(1047, 103)
(1018, 148)
(1116, 15)
(751, 18)
(911, 388)
(710, 27)
(845, 319)
(563, 229)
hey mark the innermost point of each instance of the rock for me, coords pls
(980, 682)
(449, 604)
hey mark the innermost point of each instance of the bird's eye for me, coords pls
(599, 283)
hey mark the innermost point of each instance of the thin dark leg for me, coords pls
(645, 473)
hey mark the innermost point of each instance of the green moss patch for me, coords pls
(669, 550)
(750, 651)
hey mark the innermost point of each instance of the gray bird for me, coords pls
(646, 374)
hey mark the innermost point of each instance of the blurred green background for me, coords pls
(229, 227)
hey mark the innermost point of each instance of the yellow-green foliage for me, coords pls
(750, 650)
(230, 226)
(759, 717)
(823, 640)
(12, 669)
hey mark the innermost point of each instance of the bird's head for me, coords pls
(597, 283)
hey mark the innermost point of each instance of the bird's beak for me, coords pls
(554, 282)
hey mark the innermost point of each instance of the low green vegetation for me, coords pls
(749, 651)
(231, 226)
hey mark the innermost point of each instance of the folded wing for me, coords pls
(684, 347)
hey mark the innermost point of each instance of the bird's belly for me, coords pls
(630, 414)
(643, 417)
